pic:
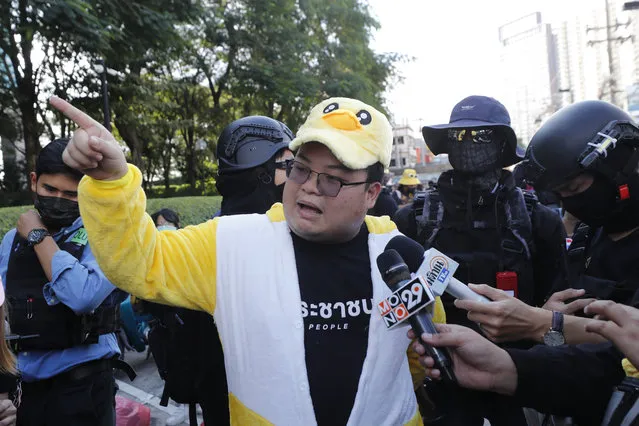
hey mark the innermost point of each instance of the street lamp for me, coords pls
(200, 146)
(102, 70)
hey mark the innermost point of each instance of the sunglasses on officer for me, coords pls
(479, 136)
(327, 185)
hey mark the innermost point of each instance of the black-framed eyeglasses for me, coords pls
(480, 136)
(283, 165)
(327, 185)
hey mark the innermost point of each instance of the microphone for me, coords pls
(435, 266)
(396, 275)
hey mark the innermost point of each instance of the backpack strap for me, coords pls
(531, 201)
(193, 414)
(429, 213)
(518, 209)
(577, 252)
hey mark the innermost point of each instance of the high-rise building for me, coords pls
(529, 65)
(596, 58)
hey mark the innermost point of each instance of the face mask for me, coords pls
(474, 158)
(56, 212)
(595, 205)
(167, 228)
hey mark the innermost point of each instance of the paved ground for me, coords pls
(146, 388)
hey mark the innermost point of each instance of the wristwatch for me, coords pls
(36, 236)
(555, 336)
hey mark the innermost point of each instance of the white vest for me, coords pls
(260, 322)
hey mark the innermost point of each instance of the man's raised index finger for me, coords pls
(80, 118)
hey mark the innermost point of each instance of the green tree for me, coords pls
(23, 25)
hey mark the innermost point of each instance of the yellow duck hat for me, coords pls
(356, 133)
(409, 177)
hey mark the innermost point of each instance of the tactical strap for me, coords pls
(429, 214)
(193, 414)
(164, 401)
(518, 221)
(119, 364)
(577, 250)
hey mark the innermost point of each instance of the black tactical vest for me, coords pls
(500, 234)
(579, 254)
(34, 324)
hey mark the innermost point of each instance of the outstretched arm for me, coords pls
(175, 268)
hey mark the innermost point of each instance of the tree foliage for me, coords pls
(182, 70)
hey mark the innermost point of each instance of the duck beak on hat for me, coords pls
(343, 120)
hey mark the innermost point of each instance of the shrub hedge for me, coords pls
(192, 210)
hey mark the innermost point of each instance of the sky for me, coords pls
(455, 49)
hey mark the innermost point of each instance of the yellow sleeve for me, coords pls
(631, 370)
(416, 370)
(174, 268)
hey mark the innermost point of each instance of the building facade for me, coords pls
(528, 62)
(409, 149)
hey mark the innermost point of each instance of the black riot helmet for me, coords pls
(592, 138)
(588, 136)
(249, 142)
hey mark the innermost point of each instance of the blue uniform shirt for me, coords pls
(79, 284)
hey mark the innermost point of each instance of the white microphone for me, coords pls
(435, 267)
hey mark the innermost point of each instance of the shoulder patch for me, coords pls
(80, 237)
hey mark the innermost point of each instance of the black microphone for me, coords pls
(396, 274)
(417, 260)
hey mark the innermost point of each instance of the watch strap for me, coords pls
(41, 235)
(557, 323)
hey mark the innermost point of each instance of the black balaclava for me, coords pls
(250, 191)
(598, 206)
(477, 164)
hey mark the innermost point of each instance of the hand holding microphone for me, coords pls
(397, 276)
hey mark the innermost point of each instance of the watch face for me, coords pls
(36, 235)
(554, 338)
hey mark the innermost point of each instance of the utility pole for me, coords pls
(609, 40)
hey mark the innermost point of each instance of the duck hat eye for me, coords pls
(364, 117)
(331, 107)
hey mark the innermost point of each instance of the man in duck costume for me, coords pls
(292, 291)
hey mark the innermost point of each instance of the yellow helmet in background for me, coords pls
(409, 178)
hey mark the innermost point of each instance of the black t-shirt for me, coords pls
(336, 291)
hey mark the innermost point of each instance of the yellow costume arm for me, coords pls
(175, 268)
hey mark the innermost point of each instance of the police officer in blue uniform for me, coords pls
(63, 310)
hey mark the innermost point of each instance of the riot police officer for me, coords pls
(252, 154)
(500, 235)
(588, 154)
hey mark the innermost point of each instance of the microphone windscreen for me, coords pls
(410, 251)
(387, 260)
